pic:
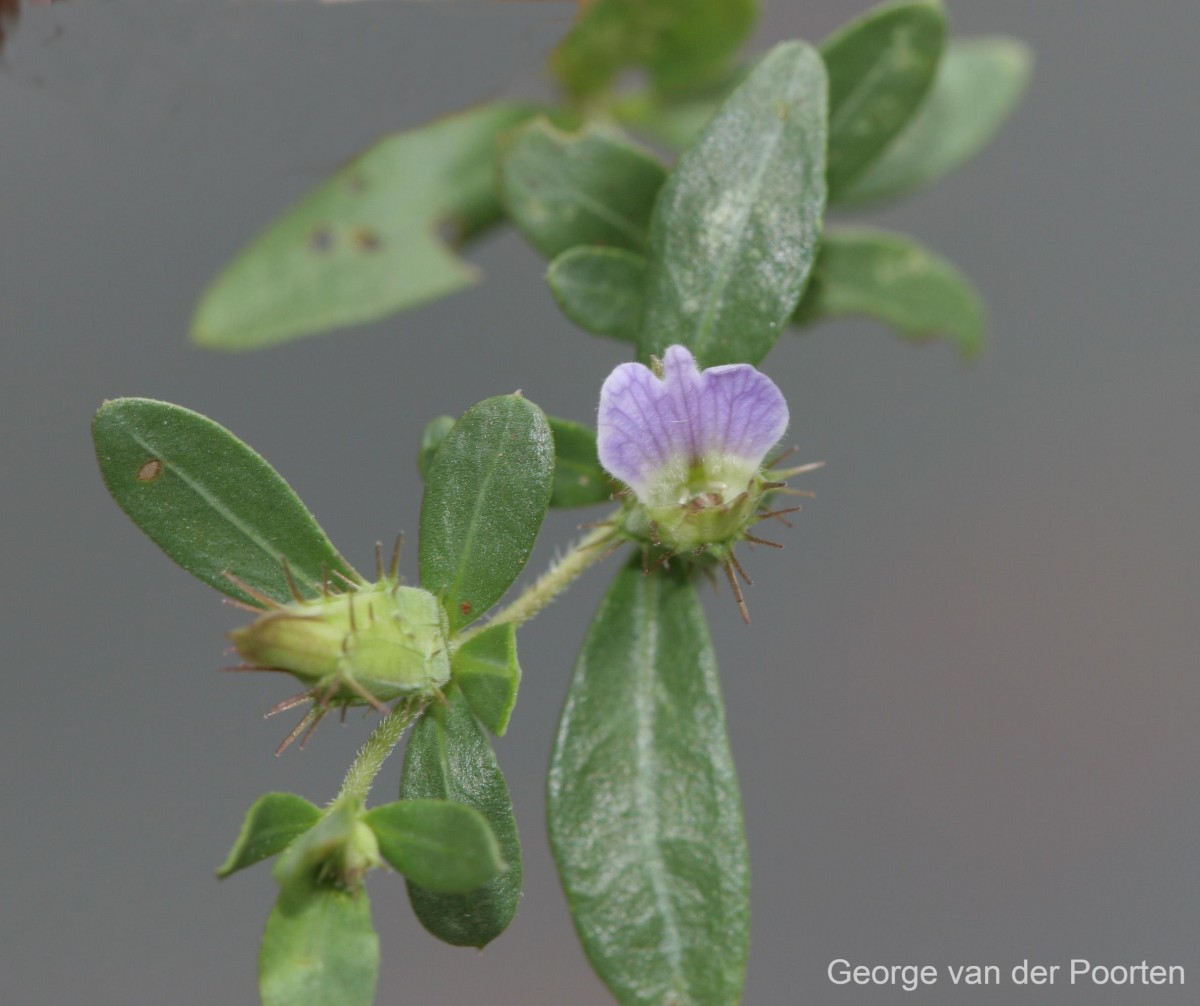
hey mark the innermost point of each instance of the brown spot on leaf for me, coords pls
(150, 470)
(321, 240)
(367, 240)
(464, 607)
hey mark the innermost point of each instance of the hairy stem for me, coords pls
(587, 551)
(376, 748)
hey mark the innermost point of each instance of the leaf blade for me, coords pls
(487, 493)
(270, 826)
(681, 42)
(593, 187)
(319, 947)
(736, 226)
(644, 811)
(602, 290)
(978, 84)
(364, 243)
(445, 847)
(208, 500)
(449, 758)
(485, 667)
(880, 68)
(890, 277)
(579, 478)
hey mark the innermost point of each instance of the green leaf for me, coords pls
(270, 826)
(736, 226)
(431, 439)
(890, 277)
(644, 812)
(602, 290)
(449, 758)
(588, 188)
(485, 499)
(578, 478)
(681, 42)
(978, 84)
(880, 68)
(485, 668)
(367, 242)
(445, 847)
(209, 501)
(319, 948)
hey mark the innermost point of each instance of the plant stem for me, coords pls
(375, 750)
(584, 553)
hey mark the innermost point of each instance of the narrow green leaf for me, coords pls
(736, 226)
(485, 668)
(431, 439)
(890, 277)
(449, 758)
(578, 478)
(880, 68)
(208, 500)
(588, 188)
(644, 811)
(600, 289)
(270, 826)
(485, 499)
(681, 42)
(446, 847)
(367, 242)
(319, 948)
(978, 84)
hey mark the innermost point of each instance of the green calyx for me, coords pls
(707, 522)
(364, 646)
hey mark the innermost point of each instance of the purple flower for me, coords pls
(689, 435)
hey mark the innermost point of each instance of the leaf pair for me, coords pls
(319, 945)
(216, 507)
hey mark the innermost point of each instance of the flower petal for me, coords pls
(652, 432)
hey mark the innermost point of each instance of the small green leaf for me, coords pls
(446, 847)
(367, 242)
(449, 758)
(485, 668)
(587, 188)
(880, 68)
(736, 226)
(431, 439)
(209, 501)
(602, 290)
(681, 42)
(861, 271)
(270, 826)
(578, 478)
(978, 84)
(319, 948)
(644, 812)
(485, 499)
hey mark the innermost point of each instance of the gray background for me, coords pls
(965, 714)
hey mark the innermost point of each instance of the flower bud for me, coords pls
(366, 646)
